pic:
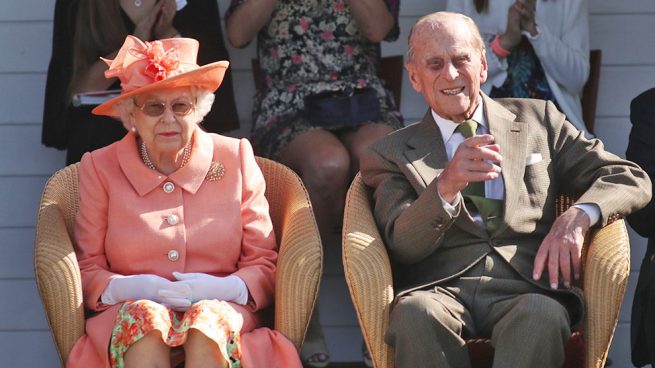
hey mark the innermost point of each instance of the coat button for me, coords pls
(168, 187)
(172, 219)
(652, 258)
(173, 255)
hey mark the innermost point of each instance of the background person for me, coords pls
(305, 49)
(85, 30)
(641, 150)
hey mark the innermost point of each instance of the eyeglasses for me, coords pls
(156, 109)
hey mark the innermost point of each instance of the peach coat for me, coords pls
(122, 228)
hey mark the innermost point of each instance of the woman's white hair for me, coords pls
(204, 101)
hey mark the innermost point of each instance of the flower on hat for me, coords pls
(162, 63)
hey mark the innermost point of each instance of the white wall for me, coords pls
(624, 30)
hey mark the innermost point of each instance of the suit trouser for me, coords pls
(527, 328)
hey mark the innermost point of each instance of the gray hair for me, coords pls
(204, 100)
(439, 20)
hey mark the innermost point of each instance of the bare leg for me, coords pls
(150, 351)
(323, 163)
(201, 351)
(358, 141)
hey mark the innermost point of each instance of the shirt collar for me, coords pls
(447, 127)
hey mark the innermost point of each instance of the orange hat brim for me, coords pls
(207, 77)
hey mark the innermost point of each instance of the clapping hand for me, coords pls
(528, 11)
(163, 27)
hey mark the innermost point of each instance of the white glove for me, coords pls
(145, 286)
(203, 286)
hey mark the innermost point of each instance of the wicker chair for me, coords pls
(606, 262)
(299, 264)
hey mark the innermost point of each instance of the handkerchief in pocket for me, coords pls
(533, 158)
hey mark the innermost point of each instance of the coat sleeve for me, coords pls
(90, 232)
(412, 224)
(256, 265)
(584, 168)
(641, 150)
(566, 58)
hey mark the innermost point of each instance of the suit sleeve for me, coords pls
(257, 263)
(585, 169)
(90, 231)
(405, 218)
(641, 150)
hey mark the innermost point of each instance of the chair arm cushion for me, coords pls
(58, 279)
(607, 266)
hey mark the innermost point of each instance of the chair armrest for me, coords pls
(607, 266)
(58, 279)
(368, 272)
(300, 255)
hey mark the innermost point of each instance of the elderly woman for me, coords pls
(174, 240)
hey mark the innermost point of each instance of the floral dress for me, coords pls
(525, 76)
(215, 319)
(308, 47)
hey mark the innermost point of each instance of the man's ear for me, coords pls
(413, 76)
(484, 70)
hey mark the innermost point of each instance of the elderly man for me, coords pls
(465, 200)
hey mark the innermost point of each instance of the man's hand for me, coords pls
(474, 160)
(562, 248)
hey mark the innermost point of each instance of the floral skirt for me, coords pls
(215, 319)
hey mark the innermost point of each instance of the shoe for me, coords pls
(314, 352)
(316, 360)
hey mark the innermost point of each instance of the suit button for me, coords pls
(172, 219)
(173, 255)
(652, 258)
(168, 187)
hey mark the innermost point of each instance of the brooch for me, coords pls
(216, 171)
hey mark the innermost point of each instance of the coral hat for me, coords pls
(163, 64)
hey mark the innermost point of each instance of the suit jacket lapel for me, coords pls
(511, 136)
(426, 152)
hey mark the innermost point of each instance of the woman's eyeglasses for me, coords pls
(156, 109)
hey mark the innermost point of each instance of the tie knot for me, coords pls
(467, 128)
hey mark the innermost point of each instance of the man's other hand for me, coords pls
(562, 248)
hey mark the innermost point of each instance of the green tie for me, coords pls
(474, 195)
